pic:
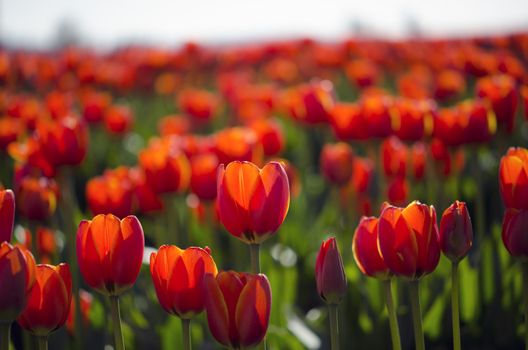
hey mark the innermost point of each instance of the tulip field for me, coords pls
(295, 194)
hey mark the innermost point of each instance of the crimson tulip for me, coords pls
(237, 144)
(348, 122)
(270, 136)
(394, 155)
(500, 91)
(238, 308)
(7, 214)
(365, 249)
(203, 175)
(118, 119)
(514, 228)
(178, 276)
(337, 162)
(456, 233)
(113, 193)
(330, 273)
(109, 252)
(37, 197)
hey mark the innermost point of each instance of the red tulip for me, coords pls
(17, 276)
(178, 278)
(500, 91)
(37, 198)
(408, 239)
(111, 193)
(7, 214)
(513, 178)
(94, 105)
(365, 249)
(362, 174)
(394, 155)
(270, 136)
(348, 122)
(238, 308)
(414, 118)
(147, 200)
(362, 72)
(200, 104)
(118, 119)
(311, 103)
(10, 129)
(337, 162)
(398, 191)
(252, 202)
(85, 304)
(237, 143)
(49, 301)
(514, 228)
(481, 121)
(418, 160)
(203, 175)
(456, 233)
(377, 112)
(449, 83)
(109, 252)
(174, 125)
(329, 273)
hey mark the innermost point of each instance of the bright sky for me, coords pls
(110, 22)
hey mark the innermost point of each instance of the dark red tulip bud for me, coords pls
(456, 232)
(330, 273)
(7, 215)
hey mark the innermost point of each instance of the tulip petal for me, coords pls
(217, 312)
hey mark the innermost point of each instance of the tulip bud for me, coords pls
(238, 308)
(329, 273)
(49, 301)
(456, 233)
(337, 162)
(7, 215)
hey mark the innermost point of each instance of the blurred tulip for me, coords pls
(514, 228)
(449, 83)
(7, 215)
(10, 130)
(17, 276)
(408, 239)
(418, 160)
(293, 176)
(348, 122)
(111, 193)
(337, 162)
(146, 199)
(109, 252)
(203, 175)
(513, 178)
(524, 95)
(86, 305)
(252, 202)
(414, 118)
(394, 155)
(362, 174)
(46, 244)
(270, 136)
(330, 273)
(178, 277)
(49, 301)
(377, 113)
(94, 105)
(500, 91)
(398, 191)
(238, 308)
(174, 125)
(365, 249)
(237, 144)
(456, 233)
(200, 104)
(311, 103)
(362, 72)
(36, 198)
(118, 119)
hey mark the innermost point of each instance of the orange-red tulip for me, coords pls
(178, 277)
(376, 109)
(7, 214)
(514, 228)
(238, 308)
(203, 175)
(398, 191)
(348, 122)
(456, 233)
(362, 174)
(109, 252)
(252, 202)
(147, 200)
(49, 301)
(365, 249)
(270, 136)
(449, 83)
(174, 125)
(513, 178)
(94, 105)
(237, 143)
(311, 103)
(111, 193)
(500, 91)
(118, 119)
(408, 239)
(418, 160)
(362, 72)
(10, 129)
(394, 156)
(17, 276)
(337, 162)
(414, 118)
(329, 273)
(200, 104)
(46, 243)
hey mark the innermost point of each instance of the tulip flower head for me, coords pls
(365, 249)
(109, 252)
(49, 301)
(7, 214)
(456, 232)
(408, 239)
(252, 202)
(178, 277)
(514, 228)
(238, 308)
(513, 178)
(17, 277)
(330, 273)
(337, 162)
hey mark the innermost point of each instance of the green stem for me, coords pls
(417, 315)
(186, 333)
(525, 300)
(5, 333)
(254, 250)
(42, 343)
(334, 328)
(393, 320)
(116, 320)
(455, 306)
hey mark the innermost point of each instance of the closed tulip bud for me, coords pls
(329, 273)
(110, 252)
(456, 232)
(365, 249)
(238, 308)
(7, 215)
(514, 228)
(513, 178)
(337, 163)
(178, 278)
(49, 301)
(252, 202)
(203, 175)
(17, 276)
(408, 239)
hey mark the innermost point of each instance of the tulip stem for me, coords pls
(455, 306)
(186, 333)
(393, 320)
(417, 315)
(334, 328)
(525, 299)
(5, 333)
(116, 319)
(254, 251)
(42, 343)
